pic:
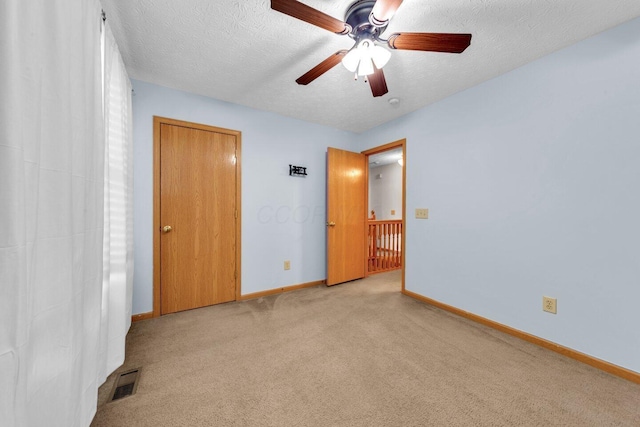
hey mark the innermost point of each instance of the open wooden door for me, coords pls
(346, 215)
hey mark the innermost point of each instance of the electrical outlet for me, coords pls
(422, 213)
(287, 265)
(550, 305)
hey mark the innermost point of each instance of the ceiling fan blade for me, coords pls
(321, 68)
(312, 16)
(383, 10)
(432, 42)
(377, 82)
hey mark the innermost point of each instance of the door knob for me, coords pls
(166, 229)
(331, 224)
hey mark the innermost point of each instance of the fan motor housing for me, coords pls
(357, 17)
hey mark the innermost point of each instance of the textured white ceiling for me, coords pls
(243, 52)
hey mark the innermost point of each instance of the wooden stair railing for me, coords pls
(385, 243)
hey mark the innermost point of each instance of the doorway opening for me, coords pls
(386, 207)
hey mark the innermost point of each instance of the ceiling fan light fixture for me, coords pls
(380, 56)
(363, 56)
(366, 67)
(351, 60)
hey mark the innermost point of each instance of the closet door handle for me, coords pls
(331, 224)
(166, 229)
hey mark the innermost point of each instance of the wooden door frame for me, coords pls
(401, 143)
(157, 122)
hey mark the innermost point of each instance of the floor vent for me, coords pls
(125, 385)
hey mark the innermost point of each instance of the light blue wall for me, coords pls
(533, 184)
(283, 218)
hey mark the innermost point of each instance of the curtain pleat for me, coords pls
(118, 232)
(54, 315)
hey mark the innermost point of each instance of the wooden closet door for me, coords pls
(198, 217)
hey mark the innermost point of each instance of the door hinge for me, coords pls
(236, 214)
(235, 274)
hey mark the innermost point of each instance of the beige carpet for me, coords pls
(357, 354)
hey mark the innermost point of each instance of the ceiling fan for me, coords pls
(365, 21)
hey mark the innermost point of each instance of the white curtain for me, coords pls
(118, 208)
(59, 308)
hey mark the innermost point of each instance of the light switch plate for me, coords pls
(422, 213)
